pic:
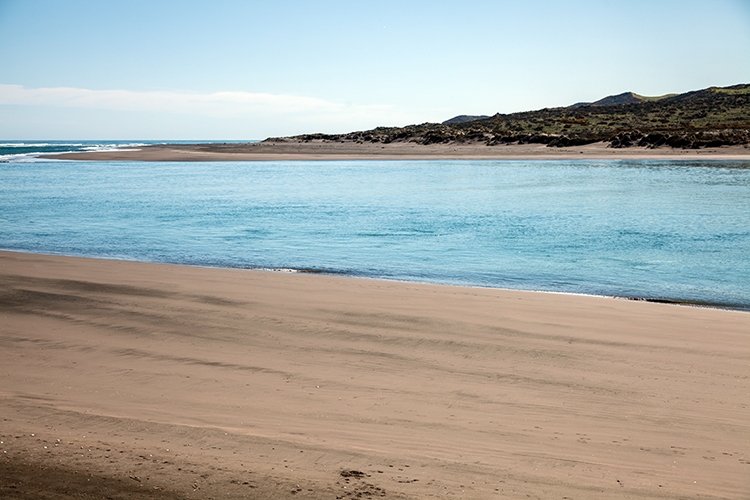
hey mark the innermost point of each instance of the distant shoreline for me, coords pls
(328, 150)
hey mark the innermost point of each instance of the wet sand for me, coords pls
(134, 380)
(325, 150)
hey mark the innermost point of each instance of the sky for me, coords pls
(234, 70)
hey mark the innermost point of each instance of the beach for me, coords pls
(137, 380)
(329, 150)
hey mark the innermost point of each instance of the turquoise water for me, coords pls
(675, 230)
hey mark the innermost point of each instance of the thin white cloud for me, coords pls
(218, 104)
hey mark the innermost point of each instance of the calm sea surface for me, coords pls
(656, 229)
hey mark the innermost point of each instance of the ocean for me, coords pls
(646, 229)
(24, 151)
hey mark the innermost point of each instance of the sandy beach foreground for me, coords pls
(134, 380)
(327, 150)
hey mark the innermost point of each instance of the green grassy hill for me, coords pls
(710, 117)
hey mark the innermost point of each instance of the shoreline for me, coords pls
(324, 150)
(723, 306)
(173, 381)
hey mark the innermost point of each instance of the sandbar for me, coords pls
(138, 380)
(329, 150)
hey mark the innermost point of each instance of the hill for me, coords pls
(624, 98)
(711, 117)
(464, 119)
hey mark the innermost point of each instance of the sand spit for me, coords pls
(134, 380)
(326, 150)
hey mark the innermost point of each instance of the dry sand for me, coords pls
(326, 150)
(134, 380)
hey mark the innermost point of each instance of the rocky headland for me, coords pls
(708, 118)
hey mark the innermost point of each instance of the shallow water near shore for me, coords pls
(667, 230)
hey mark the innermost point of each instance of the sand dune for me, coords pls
(158, 381)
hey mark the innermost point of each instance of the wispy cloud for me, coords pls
(218, 104)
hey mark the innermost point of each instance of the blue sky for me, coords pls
(249, 70)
